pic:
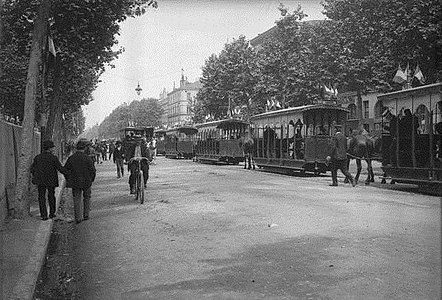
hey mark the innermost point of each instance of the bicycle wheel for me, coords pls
(138, 186)
(141, 187)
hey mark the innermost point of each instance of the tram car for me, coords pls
(296, 139)
(160, 135)
(130, 136)
(411, 140)
(179, 142)
(219, 141)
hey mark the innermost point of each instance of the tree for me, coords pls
(227, 81)
(376, 35)
(38, 39)
(143, 113)
(85, 33)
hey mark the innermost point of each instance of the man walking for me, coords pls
(81, 174)
(118, 157)
(338, 157)
(44, 174)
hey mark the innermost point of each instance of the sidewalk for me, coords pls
(23, 245)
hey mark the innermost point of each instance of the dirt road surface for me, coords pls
(222, 232)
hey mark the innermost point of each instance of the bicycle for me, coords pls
(139, 178)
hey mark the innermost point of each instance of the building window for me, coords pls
(378, 110)
(365, 109)
(352, 109)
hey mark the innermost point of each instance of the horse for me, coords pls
(248, 148)
(363, 147)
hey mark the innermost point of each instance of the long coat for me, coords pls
(81, 171)
(339, 147)
(44, 169)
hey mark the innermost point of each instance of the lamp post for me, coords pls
(138, 89)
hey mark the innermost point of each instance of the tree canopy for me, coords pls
(358, 48)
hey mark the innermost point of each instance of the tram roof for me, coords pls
(416, 90)
(130, 128)
(221, 123)
(298, 109)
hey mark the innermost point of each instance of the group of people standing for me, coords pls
(79, 171)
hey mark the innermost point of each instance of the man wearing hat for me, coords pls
(44, 174)
(118, 157)
(81, 174)
(338, 157)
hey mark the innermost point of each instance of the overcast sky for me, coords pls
(180, 35)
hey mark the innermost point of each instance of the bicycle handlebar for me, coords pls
(138, 159)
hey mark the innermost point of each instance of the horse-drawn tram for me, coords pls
(411, 142)
(179, 142)
(219, 141)
(297, 138)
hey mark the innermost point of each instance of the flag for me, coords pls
(407, 72)
(418, 74)
(277, 104)
(327, 90)
(400, 76)
(335, 91)
(51, 46)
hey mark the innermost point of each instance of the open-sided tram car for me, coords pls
(411, 147)
(160, 135)
(179, 142)
(219, 141)
(133, 135)
(297, 138)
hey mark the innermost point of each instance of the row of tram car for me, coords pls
(298, 139)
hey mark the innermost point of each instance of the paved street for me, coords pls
(221, 232)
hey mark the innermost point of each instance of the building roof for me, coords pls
(268, 34)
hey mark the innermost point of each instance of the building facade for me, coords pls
(178, 104)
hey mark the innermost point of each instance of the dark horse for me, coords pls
(248, 148)
(363, 147)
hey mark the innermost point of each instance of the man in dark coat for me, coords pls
(338, 157)
(81, 174)
(118, 157)
(131, 152)
(44, 174)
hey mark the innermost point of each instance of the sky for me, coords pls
(178, 37)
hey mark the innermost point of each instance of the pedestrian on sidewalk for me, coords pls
(338, 157)
(44, 174)
(118, 157)
(81, 174)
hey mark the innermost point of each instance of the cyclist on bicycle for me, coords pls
(137, 147)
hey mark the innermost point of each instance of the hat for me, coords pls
(48, 145)
(82, 144)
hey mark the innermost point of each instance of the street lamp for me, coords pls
(138, 89)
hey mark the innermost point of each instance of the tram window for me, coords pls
(366, 109)
(423, 117)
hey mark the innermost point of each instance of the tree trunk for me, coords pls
(22, 201)
(1, 33)
(56, 105)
